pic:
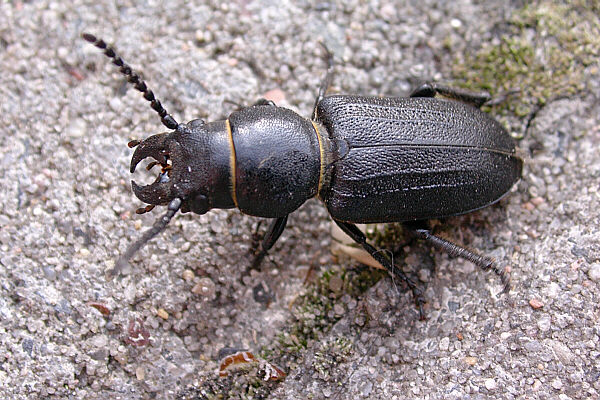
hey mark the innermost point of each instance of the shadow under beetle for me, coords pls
(369, 159)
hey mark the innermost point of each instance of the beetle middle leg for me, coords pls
(359, 237)
(430, 89)
(485, 263)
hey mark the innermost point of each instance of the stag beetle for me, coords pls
(369, 159)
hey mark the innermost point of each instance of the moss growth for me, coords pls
(544, 55)
(315, 315)
(314, 310)
(386, 236)
(331, 354)
(239, 384)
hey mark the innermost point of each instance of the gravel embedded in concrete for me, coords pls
(67, 212)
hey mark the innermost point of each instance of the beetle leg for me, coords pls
(326, 82)
(159, 226)
(485, 263)
(359, 237)
(430, 89)
(275, 230)
(256, 237)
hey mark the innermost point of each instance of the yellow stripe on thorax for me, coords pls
(322, 157)
(231, 162)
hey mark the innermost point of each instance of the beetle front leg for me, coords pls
(359, 237)
(485, 263)
(274, 232)
(430, 89)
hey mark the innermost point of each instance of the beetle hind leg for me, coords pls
(485, 263)
(359, 237)
(430, 89)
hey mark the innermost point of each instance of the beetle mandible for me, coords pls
(369, 159)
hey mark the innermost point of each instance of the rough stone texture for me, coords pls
(66, 213)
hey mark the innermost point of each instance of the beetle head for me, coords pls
(171, 151)
(169, 188)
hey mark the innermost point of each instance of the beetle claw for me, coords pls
(156, 193)
(154, 147)
(159, 192)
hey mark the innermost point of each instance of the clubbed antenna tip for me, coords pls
(134, 79)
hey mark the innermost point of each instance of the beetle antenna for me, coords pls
(134, 79)
(327, 80)
(159, 226)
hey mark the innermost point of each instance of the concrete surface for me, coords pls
(66, 211)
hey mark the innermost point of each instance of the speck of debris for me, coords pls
(188, 275)
(536, 304)
(162, 313)
(470, 360)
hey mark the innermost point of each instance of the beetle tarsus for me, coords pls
(454, 250)
(264, 102)
(359, 237)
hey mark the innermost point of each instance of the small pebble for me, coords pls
(275, 95)
(557, 384)
(455, 23)
(536, 304)
(470, 360)
(162, 313)
(335, 283)
(490, 384)
(77, 128)
(594, 272)
(205, 287)
(528, 206)
(140, 374)
(188, 275)
(537, 201)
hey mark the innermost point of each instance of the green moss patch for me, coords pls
(547, 50)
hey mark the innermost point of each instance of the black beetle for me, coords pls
(369, 159)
